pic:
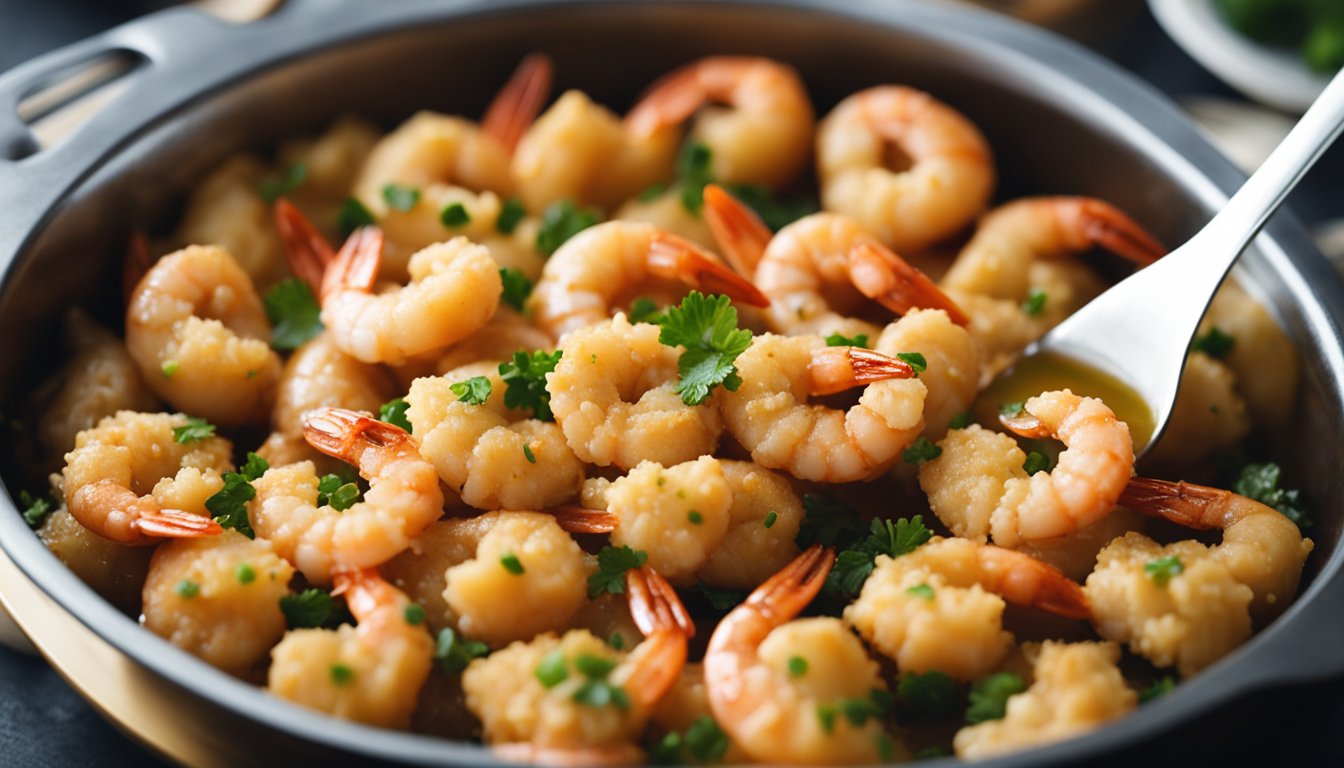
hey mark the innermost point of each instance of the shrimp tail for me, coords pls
(520, 101)
(1187, 504)
(788, 592)
(1022, 579)
(345, 434)
(307, 251)
(1026, 425)
(674, 258)
(356, 265)
(836, 369)
(576, 519)
(888, 279)
(663, 620)
(1113, 230)
(736, 228)
(137, 264)
(365, 591)
(669, 101)
(176, 524)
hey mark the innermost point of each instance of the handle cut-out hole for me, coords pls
(64, 99)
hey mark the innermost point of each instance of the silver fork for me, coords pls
(1139, 331)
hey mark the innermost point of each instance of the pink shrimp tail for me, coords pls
(737, 229)
(356, 265)
(176, 524)
(891, 281)
(306, 249)
(576, 519)
(519, 101)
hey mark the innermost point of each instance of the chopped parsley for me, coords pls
(338, 493)
(989, 696)
(695, 517)
(453, 652)
(600, 693)
(254, 467)
(886, 748)
(195, 429)
(921, 590)
(643, 310)
(893, 539)
(394, 412)
(1162, 569)
(836, 340)
(36, 509)
(705, 740)
(776, 213)
(720, 599)
(169, 367)
(694, 170)
(612, 563)
(826, 716)
(552, 670)
(245, 573)
(1036, 462)
(1214, 343)
(562, 220)
(307, 609)
(528, 454)
(1035, 303)
(829, 522)
(352, 216)
(596, 667)
(294, 314)
(1261, 482)
(915, 360)
(923, 449)
(274, 188)
(473, 391)
(401, 198)
(797, 666)
(961, 420)
(1014, 408)
(517, 287)
(414, 614)
(187, 589)
(512, 564)
(511, 213)
(229, 505)
(706, 326)
(616, 641)
(858, 711)
(525, 379)
(342, 674)
(1158, 689)
(454, 215)
(652, 192)
(931, 694)
(770, 519)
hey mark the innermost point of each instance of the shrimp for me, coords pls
(97, 379)
(218, 598)
(1087, 479)
(454, 290)
(613, 393)
(764, 134)
(1077, 687)
(226, 209)
(578, 150)
(772, 713)
(1261, 547)
(609, 265)
(951, 358)
(492, 456)
(948, 181)
(199, 336)
(403, 498)
(536, 700)
(507, 331)
(371, 673)
(114, 571)
(326, 167)
(770, 416)
(1208, 418)
(130, 481)
(1263, 358)
(319, 374)
(941, 606)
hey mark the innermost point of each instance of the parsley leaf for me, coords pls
(1214, 343)
(915, 360)
(35, 509)
(612, 563)
(921, 590)
(473, 391)
(454, 215)
(1014, 408)
(652, 192)
(643, 310)
(517, 287)
(525, 378)
(335, 491)
(1036, 462)
(552, 670)
(394, 412)
(562, 220)
(294, 314)
(989, 696)
(705, 740)
(453, 652)
(401, 198)
(694, 169)
(229, 504)
(1158, 689)
(931, 694)
(195, 429)
(777, 213)
(352, 216)
(1035, 303)
(720, 599)
(1261, 482)
(921, 450)
(1162, 569)
(308, 609)
(707, 327)
(600, 693)
(272, 189)
(511, 213)
(512, 564)
(893, 539)
(961, 420)
(828, 522)
(254, 467)
(836, 340)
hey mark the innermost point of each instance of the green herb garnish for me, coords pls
(1163, 568)
(612, 563)
(836, 340)
(401, 198)
(706, 326)
(511, 213)
(272, 189)
(1035, 303)
(338, 493)
(517, 287)
(921, 450)
(294, 314)
(989, 696)
(473, 391)
(525, 379)
(453, 652)
(307, 609)
(394, 412)
(195, 429)
(1261, 482)
(454, 215)
(561, 221)
(352, 216)
(1214, 343)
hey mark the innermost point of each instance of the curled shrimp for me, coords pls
(403, 498)
(549, 722)
(941, 606)
(494, 457)
(770, 416)
(761, 137)
(371, 673)
(508, 331)
(948, 182)
(129, 480)
(611, 264)
(226, 210)
(1087, 480)
(199, 335)
(614, 395)
(952, 363)
(822, 271)
(1261, 547)
(454, 290)
(772, 713)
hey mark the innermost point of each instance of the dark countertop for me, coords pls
(43, 722)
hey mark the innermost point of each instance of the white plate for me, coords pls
(1273, 76)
